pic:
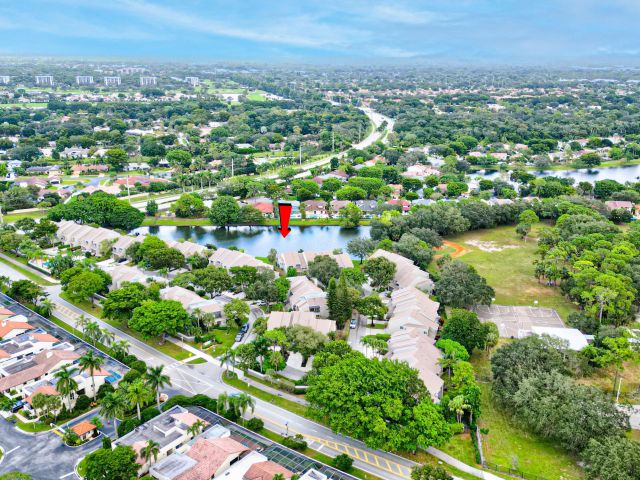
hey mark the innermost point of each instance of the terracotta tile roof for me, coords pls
(45, 361)
(10, 326)
(45, 337)
(83, 427)
(4, 354)
(266, 471)
(211, 455)
(45, 390)
(101, 373)
(6, 311)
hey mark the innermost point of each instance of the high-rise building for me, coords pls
(148, 81)
(194, 81)
(112, 81)
(84, 80)
(44, 80)
(5, 79)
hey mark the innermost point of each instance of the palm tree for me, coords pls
(45, 308)
(81, 323)
(228, 357)
(157, 379)
(222, 401)
(90, 362)
(151, 449)
(243, 403)
(92, 332)
(66, 385)
(458, 405)
(196, 428)
(107, 336)
(112, 406)
(5, 282)
(120, 347)
(138, 393)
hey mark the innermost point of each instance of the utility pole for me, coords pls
(128, 190)
(300, 153)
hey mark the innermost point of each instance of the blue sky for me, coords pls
(341, 31)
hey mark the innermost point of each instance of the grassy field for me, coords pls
(168, 348)
(506, 442)
(603, 379)
(12, 217)
(461, 447)
(226, 339)
(510, 271)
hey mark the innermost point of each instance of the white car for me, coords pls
(353, 324)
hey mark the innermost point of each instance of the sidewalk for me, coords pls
(30, 269)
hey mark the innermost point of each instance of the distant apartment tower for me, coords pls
(5, 79)
(84, 80)
(148, 81)
(110, 81)
(130, 70)
(44, 80)
(193, 81)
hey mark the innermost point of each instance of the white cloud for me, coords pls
(399, 14)
(392, 52)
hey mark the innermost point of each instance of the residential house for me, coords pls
(368, 207)
(407, 274)
(305, 319)
(300, 260)
(419, 351)
(43, 170)
(574, 338)
(74, 152)
(405, 205)
(28, 343)
(193, 302)
(121, 274)
(315, 209)
(35, 181)
(13, 326)
(306, 296)
(119, 248)
(170, 430)
(337, 205)
(131, 166)
(420, 171)
(339, 174)
(412, 308)
(97, 242)
(188, 249)
(616, 204)
(82, 168)
(21, 373)
(223, 257)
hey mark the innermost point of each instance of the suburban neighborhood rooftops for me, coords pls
(407, 274)
(305, 319)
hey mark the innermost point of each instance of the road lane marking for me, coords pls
(13, 449)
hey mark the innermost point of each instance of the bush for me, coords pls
(295, 443)
(255, 424)
(149, 413)
(127, 426)
(131, 376)
(82, 403)
(104, 389)
(139, 365)
(199, 400)
(106, 442)
(342, 462)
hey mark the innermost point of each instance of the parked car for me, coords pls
(239, 336)
(244, 328)
(353, 324)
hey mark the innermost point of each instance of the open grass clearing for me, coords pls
(506, 261)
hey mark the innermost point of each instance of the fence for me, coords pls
(514, 472)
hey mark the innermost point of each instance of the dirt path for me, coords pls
(458, 249)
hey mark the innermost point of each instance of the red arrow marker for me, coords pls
(285, 215)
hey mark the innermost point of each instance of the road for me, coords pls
(206, 379)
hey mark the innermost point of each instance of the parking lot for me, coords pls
(516, 322)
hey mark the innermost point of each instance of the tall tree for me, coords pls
(90, 362)
(157, 379)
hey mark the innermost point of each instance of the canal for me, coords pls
(257, 241)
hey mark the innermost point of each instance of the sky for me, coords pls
(573, 32)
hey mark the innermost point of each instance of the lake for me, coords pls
(257, 241)
(629, 173)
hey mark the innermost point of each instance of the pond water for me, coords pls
(257, 241)
(629, 173)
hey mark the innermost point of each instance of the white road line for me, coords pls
(68, 474)
(13, 450)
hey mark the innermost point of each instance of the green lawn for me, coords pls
(226, 339)
(461, 447)
(506, 441)
(267, 397)
(34, 427)
(510, 271)
(12, 217)
(168, 348)
(27, 272)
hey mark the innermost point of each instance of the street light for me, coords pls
(286, 424)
